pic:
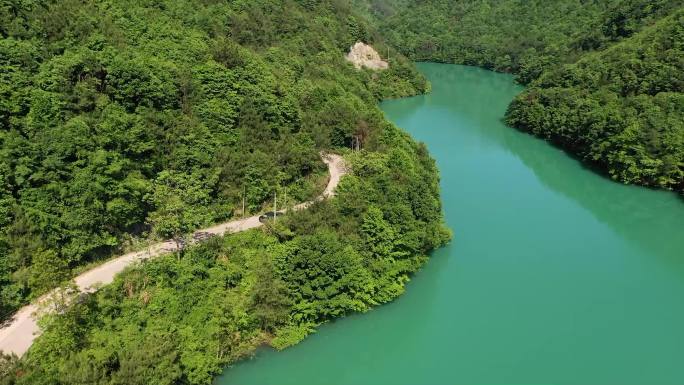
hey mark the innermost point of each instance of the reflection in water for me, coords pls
(649, 219)
(556, 275)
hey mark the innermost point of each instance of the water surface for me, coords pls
(556, 275)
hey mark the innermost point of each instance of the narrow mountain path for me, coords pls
(18, 333)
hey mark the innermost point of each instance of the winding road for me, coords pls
(17, 334)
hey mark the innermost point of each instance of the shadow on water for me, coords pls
(512, 299)
(643, 216)
(640, 215)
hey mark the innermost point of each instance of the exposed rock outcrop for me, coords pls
(363, 55)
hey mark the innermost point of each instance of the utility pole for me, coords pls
(244, 191)
(275, 199)
(356, 143)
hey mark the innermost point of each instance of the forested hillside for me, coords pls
(124, 119)
(510, 35)
(605, 77)
(620, 108)
(180, 318)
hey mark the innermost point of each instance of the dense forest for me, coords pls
(180, 318)
(123, 120)
(127, 120)
(620, 108)
(605, 78)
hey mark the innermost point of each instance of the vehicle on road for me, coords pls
(270, 215)
(202, 236)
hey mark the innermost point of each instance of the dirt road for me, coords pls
(17, 335)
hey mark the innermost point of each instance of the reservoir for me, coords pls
(556, 275)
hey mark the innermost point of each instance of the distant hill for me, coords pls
(120, 119)
(620, 108)
(605, 77)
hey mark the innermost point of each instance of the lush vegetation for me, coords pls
(124, 119)
(180, 318)
(508, 36)
(605, 78)
(620, 108)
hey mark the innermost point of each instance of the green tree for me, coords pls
(269, 298)
(177, 198)
(379, 238)
(47, 270)
(152, 361)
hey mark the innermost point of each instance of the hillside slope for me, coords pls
(125, 119)
(621, 108)
(605, 77)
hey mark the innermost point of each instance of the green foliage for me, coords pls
(621, 108)
(181, 319)
(605, 77)
(289, 335)
(48, 270)
(326, 278)
(118, 114)
(181, 203)
(8, 368)
(269, 296)
(122, 118)
(509, 36)
(377, 235)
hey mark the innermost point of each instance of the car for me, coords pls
(201, 236)
(269, 215)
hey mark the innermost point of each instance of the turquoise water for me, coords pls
(556, 275)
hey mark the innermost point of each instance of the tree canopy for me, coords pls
(605, 78)
(123, 119)
(181, 319)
